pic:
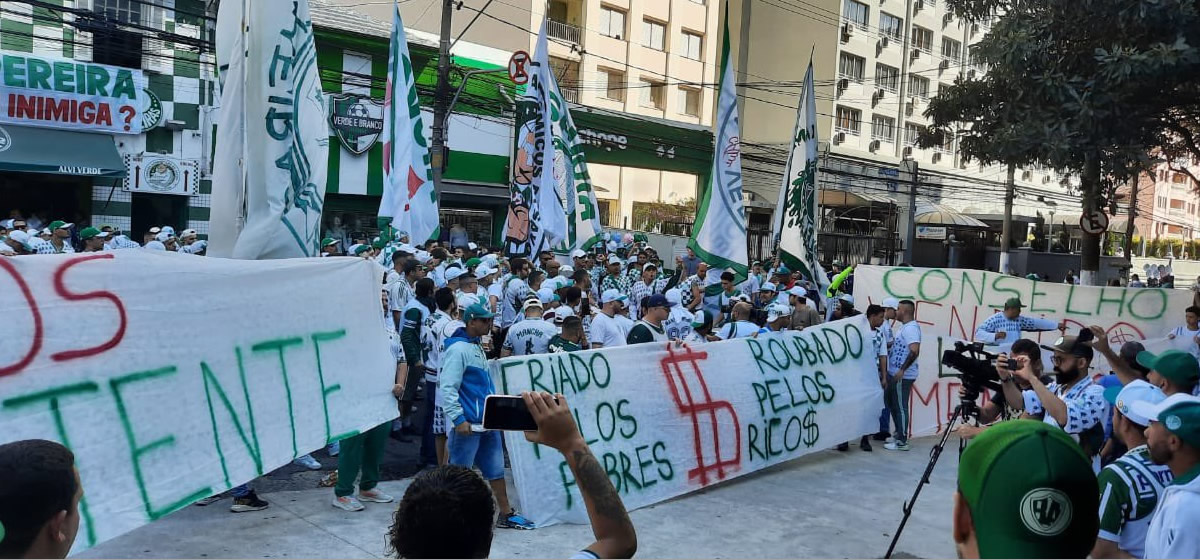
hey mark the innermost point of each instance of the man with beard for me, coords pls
(1131, 485)
(1174, 441)
(1072, 401)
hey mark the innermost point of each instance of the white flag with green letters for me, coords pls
(796, 212)
(719, 235)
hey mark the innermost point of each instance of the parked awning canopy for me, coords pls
(938, 215)
(61, 152)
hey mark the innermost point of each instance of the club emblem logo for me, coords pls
(1046, 511)
(357, 121)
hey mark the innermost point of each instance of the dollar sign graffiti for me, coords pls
(812, 432)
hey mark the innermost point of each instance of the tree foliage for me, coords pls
(1097, 88)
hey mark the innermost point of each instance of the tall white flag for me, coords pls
(409, 196)
(719, 234)
(272, 137)
(537, 218)
(796, 212)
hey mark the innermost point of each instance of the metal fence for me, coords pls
(564, 31)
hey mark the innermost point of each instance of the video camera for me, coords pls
(977, 371)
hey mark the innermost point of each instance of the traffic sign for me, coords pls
(518, 68)
(1094, 222)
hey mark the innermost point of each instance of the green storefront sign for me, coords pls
(630, 142)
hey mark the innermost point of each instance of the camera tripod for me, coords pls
(934, 454)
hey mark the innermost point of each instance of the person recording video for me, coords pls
(1027, 356)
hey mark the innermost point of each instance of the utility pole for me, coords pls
(441, 101)
(1006, 229)
(910, 236)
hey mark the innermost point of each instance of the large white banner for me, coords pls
(951, 303)
(666, 420)
(272, 132)
(174, 377)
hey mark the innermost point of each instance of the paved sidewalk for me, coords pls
(826, 505)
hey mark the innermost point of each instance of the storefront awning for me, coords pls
(60, 152)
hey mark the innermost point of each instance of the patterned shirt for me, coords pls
(641, 290)
(515, 292)
(611, 282)
(1129, 491)
(42, 247)
(1085, 402)
(1010, 327)
(685, 288)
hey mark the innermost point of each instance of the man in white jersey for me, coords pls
(1131, 485)
(1186, 337)
(433, 434)
(1174, 441)
(606, 332)
(679, 319)
(739, 325)
(531, 335)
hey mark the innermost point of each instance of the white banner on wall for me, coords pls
(951, 303)
(665, 421)
(54, 92)
(173, 377)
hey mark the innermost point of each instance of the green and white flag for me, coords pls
(719, 235)
(537, 217)
(272, 136)
(409, 196)
(571, 178)
(796, 213)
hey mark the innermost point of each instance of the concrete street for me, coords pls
(826, 505)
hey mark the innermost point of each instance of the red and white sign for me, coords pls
(63, 93)
(518, 68)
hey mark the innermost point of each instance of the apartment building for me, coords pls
(877, 64)
(641, 71)
(1168, 204)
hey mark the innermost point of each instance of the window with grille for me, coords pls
(887, 77)
(691, 45)
(856, 13)
(612, 23)
(848, 120)
(951, 50)
(883, 128)
(851, 67)
(891, 26)
(918, 86)
(922, 38)
(653, 35)
(127, 11)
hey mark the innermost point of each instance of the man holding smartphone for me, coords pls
(465, 383)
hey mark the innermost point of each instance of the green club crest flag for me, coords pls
(409, 196)
(796, 213)
(719, 235)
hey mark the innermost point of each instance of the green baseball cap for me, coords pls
(473, 262)
(1178, 413)
(56, 224)
(477, 311)
(90, 232)
(360, 249)
(1031, 492)
(328, 241)
(1178, 366)
(1013, 302)
(379, 243)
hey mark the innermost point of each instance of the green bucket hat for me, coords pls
(1031, 492)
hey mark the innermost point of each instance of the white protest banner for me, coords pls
(62, 93)
(174, 377)
(951, 303)
(665, 421)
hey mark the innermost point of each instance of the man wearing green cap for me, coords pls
(1174, 441)
(1131, 485)
(60, 239)
(1025, 490)
(329, 247)
(93, 239)
(1174, 371)
(1005, 327)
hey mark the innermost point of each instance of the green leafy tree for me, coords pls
(1096, 88)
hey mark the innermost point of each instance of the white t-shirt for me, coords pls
(737, 329)
(530, 336)
(625, 323)
(909, 333)
(679, 323)
(694, 337)
(606, 331)
(1185, 339)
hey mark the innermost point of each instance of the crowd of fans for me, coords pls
(17, 237)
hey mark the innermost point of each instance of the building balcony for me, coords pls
(564, 31)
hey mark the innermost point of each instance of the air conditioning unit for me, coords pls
(839, 138)
(937, 156)
(156, 57)
(880, 93)
(918, 6)
(847, 32)
(910, 106)
(1046, 180)
(946, 19)
(882, 43)
(970, 74)
(907, 152)
(944, 64)
(842, 84)
(874, 146)
(1026, 175)
(915, 54)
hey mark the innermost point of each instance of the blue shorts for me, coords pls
(484, 449)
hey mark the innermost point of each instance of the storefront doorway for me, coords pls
(42, 198)
(150, 210)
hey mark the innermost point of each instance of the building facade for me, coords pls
(1168, 204)
(145, 164)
